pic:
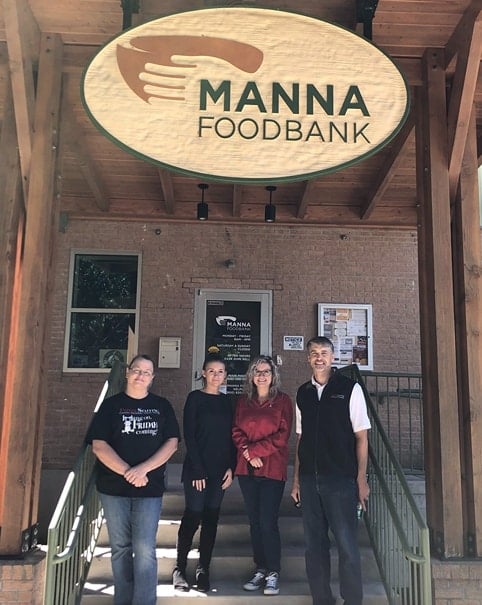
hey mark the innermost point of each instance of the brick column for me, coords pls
(22, 580)
(457, 582)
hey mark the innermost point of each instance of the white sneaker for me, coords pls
(272, 584)
(257, 581)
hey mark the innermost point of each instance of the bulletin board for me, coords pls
(349, 327)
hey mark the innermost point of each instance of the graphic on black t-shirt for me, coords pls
(139, 422)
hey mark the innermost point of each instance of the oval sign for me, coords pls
(245, 94)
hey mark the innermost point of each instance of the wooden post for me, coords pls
(11, 210)
(441, 417)
(24, 409)
(468, 312)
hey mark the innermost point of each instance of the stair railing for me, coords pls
(397, 530)
(77, 519)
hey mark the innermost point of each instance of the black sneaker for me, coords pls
(257, 581)
(202, 579)
(179, 580)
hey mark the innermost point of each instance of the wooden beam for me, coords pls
(441, 419)
(462, 30)
(305, 199)
(462, 96)
(21, 442)
(468, 312)
(74, 137)
(237, 200)
(479, 148)
(167, 190)
(389, 168)
(20, 32)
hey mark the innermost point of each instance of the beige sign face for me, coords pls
(245, 94)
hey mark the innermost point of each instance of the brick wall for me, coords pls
(302, 266)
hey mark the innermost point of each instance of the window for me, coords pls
(103, 304)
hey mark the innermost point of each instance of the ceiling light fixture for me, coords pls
(270, 209)
(202, 207)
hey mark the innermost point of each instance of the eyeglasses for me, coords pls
(262, 372)
(143, 373)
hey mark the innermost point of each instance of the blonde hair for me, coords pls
(249, 388)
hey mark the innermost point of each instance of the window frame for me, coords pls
(368, 330)
(70, 309)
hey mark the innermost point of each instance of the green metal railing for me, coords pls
(397, 530)
(76, 522)
(398, 401)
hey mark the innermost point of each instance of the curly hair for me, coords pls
(249, 388)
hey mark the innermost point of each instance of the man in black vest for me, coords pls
(330, 472)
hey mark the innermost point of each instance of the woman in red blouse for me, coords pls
(261, 430)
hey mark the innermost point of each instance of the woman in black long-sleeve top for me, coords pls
(207, 470)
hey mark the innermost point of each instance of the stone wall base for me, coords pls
(457, 583)
(22, 580)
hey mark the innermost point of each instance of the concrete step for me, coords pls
(291, 593)
(234, 564)
(233, 530)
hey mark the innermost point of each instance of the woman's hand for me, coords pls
(227, 479)
(199, 484)
(136, 476)
(295, 492)
(256, 462)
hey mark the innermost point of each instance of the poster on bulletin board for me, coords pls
(349, 327)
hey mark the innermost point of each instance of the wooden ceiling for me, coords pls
(100, 180)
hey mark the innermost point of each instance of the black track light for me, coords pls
(270, 209)
(202, 207)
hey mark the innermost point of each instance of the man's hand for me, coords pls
(363, 492)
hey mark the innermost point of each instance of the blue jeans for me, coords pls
(330, 503)
(262, 499)
(132, 527)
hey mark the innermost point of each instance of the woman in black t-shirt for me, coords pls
(133, 435)
(207, 471)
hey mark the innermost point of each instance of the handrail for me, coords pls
(397, 530)
(73, 537)
(77, 519)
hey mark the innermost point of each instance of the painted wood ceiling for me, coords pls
(100, 180)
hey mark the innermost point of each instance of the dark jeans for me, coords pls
(211, 496)
(262, 499)
(330, 503)
(201, 507)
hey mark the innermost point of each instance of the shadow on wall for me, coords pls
(51, 485)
